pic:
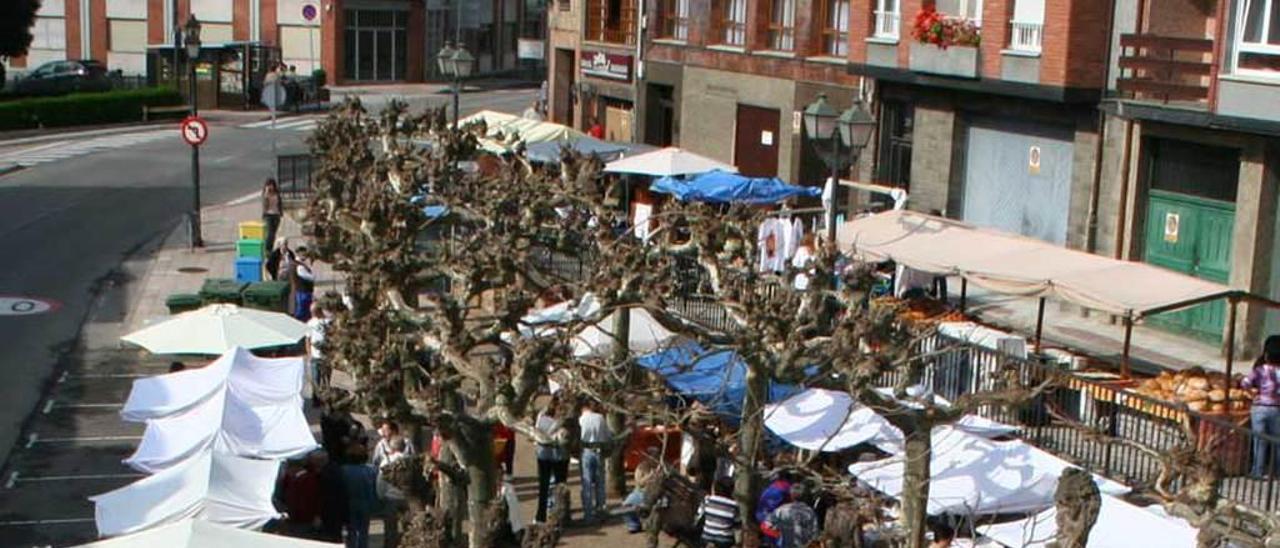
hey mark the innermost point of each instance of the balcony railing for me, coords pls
(887, 24)
(1165, 68)
(1025, 36)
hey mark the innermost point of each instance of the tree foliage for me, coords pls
(16, 19)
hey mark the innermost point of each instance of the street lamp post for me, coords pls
(191, 41)
(456, 65)
(852, 129)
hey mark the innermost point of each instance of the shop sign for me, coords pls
(1171, 227)
(606, 65)
(530, 49)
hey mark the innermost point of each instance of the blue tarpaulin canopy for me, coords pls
(719, 187)
(717, 378)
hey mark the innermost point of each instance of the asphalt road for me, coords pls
(67, 226)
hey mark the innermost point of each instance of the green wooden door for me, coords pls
(1191, 235)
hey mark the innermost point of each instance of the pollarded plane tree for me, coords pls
(435, 333)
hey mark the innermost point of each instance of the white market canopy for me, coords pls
(975, 476)
(192, 533)
(240, 405)
(504, 131)
(218, 328)
(645, 335)
(215, 487)
(667, 162)
(1013, 264)
(826, 420)
(1119, 525)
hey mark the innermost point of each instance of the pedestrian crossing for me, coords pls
(305, 123)
(64, 149)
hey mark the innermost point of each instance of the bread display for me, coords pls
(1199, 390)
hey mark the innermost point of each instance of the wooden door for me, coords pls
(755, 143)
(617, 124)
(1191, 235)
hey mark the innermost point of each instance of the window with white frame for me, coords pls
(782, 25)
(49, 33)
(971, 10)
(1026, 30)
(888, 19)
(835, 32)
(1257, 47)
(731, 22)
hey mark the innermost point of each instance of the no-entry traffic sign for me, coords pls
(194, 130)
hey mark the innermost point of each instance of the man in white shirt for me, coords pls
(595, 440)
(315, 339)
(392, 497)
(389, 432)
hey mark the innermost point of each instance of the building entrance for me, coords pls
(376, 45)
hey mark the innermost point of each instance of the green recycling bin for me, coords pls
(249, 249)
(221, 290)
(271, 295)
(182, 302)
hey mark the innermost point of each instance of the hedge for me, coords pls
(80, 109)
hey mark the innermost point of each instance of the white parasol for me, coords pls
(667, 162)
(217, 328)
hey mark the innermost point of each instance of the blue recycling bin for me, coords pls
(249, 269)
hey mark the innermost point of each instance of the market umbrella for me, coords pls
(667, 162)
(217, 328)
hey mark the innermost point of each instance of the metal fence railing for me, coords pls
(1159, 426)
(295, 173)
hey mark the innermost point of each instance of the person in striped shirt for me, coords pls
(719, 513)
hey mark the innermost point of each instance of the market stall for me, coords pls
(210, 486)
(193, 533)
(1016, 265)
(826, 420)
(240, 405)
(1118, 525)
(972, 476)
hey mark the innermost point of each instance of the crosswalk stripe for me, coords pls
(62, 150)
(293, 124)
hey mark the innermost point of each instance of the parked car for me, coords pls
(60, 77)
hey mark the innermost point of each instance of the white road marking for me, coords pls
(61, 150)
(15, 478)
(289, 124)
(66, 376)
(76, 439)
(48, 407)
(29, 522)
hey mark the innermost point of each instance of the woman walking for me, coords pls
(272, 210)
(553, 458)
(1265, 414)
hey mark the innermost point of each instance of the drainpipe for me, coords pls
(641, 23)
(1091, 228)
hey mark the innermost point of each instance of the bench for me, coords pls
(149, 111)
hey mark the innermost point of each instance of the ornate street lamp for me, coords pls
(851, 129)
(455, 64)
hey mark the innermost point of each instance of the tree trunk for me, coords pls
(750, 434)
(615, 471)
(1078, 501)
(475, 442)
(915, 485)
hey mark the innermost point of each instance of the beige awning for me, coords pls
(1013, 264)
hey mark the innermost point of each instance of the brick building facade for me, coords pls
(355, 41)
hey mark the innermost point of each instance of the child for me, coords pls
(719, 513)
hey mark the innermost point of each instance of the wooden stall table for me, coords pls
(1230, 445)
(666, 439)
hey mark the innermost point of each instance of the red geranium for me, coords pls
(931, 27)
